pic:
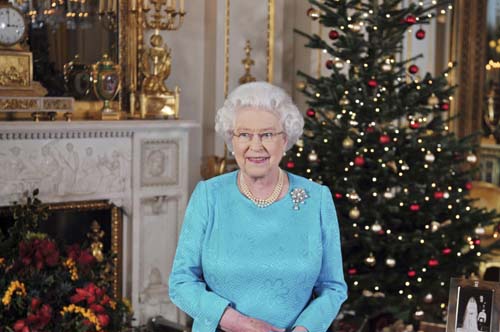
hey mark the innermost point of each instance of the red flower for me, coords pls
(103, 320)
(39, 252)
(81, 256)
(37, 319)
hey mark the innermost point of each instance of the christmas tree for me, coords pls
(377, 134)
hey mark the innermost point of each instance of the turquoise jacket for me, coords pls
(264, 262)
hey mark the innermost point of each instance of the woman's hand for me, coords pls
(233, 321)
(299, 329)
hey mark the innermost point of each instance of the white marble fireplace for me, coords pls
(140, 166)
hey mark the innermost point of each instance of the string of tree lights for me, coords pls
(377, 134)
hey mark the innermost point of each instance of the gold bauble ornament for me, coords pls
(435, 225)
(344, 101)
(356, 27)
(301, 85)
(347, 143)
(433, 100)
(354, 213)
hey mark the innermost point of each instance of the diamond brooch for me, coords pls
(299, 196)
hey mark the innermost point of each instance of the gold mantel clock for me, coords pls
(16, 62)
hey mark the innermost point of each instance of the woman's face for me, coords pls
(259, 150)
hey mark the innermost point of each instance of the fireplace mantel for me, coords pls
(141, 166)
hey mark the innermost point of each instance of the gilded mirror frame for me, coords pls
(468, 49)
(91, 110)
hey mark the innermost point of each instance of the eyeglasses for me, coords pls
(266, 137)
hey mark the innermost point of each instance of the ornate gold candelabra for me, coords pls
(156, 100)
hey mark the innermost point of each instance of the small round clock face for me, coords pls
(12, 26)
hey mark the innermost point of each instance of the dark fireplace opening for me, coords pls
(95, 223)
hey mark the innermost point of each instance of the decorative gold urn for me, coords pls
(106, 79)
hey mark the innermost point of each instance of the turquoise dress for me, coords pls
(264, 262)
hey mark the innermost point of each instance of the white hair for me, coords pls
(264, 96)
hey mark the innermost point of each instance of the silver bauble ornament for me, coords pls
(430, 157)
(471, 158)
(428, 298)
(435, 225)
(354, 213)
(353, 196)
(446, 195)
(347, 143)
(339, 64)
(313, 156)
(390, 262)
(376, 227)
(389, 194)
(386, 66)
(370, 260)
(479, 230)
(356, 27)
(419, 314)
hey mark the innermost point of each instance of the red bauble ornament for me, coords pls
(290, 164)
(310, 112)
(413, 69)
(468, 185)
(414, 124)
(444, 106)
(372, 83)
(433, 262)
(370, 130)
(420, 34)
(359, 161)
(338, 195)
(446, 251)
(352, 271)
(410, 19)
(477, 242)
(412, 273)
(384, 139)
(329, 64)
(381, 232)
(333, 34)
(438, 195)
(414, 207)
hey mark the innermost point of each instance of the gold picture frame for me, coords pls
(16, 70)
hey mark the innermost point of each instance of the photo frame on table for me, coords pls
(473, 306)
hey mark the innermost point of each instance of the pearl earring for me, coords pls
(232, 152)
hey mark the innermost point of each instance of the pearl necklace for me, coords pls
(262, 203)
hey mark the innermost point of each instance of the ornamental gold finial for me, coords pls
(95, 235)
(247, 64)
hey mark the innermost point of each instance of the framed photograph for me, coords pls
(473, 306)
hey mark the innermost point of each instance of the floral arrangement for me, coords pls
(47, 287)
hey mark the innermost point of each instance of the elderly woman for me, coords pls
(260, 247)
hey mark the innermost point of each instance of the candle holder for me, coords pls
(156, 100)
(106, 79)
